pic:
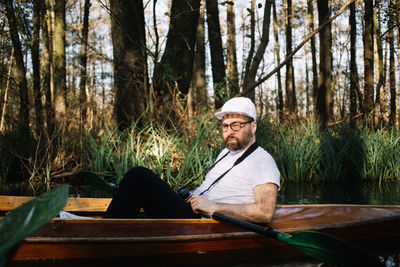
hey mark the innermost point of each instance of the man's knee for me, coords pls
(137, 176)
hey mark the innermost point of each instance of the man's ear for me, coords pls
(254, 126)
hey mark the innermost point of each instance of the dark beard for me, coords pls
(240, 144)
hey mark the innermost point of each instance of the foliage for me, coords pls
(176, 154)
(28, 218)
(179, 152)
(306, 153)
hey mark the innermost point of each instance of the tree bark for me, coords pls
(392, 70)
(174, 72)
(36, 68)
(324, 94)
(46, 68)
(278, 59)
(310, 12)
(249, 59)
(217, 54)
(5, 97)
(289, 81)
(20, 73)
(368, 57)
(83, 65)
(397, 21)
(197, 97)
(231, 59)
(381, 67)
(59, 63)
(354, 85)
(255, 63)
(130, 61)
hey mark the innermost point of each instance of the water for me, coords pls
(340, 193)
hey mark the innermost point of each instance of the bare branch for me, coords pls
(291, 54)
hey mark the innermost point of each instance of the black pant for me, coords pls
(142, 188)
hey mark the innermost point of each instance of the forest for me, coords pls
(106, 85)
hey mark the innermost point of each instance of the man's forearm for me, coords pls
(247, 212)
(261, 211)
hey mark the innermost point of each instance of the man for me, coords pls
(243, 182)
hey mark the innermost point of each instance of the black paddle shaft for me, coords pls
(265, 231)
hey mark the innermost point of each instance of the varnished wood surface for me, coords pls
(8, 203)
(371, 227)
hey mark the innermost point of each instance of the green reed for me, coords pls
(180, 152)
(302, 151)
(382, 155)
(296, 151)
(305, 153)
(177, 155)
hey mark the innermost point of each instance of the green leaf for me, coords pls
(98, 183)
(29, 217)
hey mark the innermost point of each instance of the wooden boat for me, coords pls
(181, 241)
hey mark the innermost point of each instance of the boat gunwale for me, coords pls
(147, 239)
(86, 204)
(194, 237)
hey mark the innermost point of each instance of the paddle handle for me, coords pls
(265, 231)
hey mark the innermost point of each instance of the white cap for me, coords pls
(238, 105)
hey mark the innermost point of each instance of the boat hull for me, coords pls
(93, 241)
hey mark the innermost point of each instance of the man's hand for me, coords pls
(261, 211)
(200, 203)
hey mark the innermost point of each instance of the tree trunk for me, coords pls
(197, 97)
(174, 72)
(130, 62)
(252, 41)
(310, 12)
(278, 59)
(397, 18)
(217, 54)
(255, 63)
(354, 85)
(324, 94)
(381, 67)
(20, 73)
(392, 70)
(59, 62)
(46, 69)
(83, 64)
(5, 98)
(36, 68)
(289, 81)
(308, 102)
(231, 61)
(368, 57)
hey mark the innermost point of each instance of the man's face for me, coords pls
(238, 140)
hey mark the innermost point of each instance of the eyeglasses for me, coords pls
(235, 126)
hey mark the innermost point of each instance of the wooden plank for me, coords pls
(8, 203)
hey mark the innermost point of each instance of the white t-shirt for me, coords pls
(236, 187)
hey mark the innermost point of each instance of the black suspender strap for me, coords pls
(248, 151)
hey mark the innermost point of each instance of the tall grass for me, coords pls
(297, 152)
(303, 152)
(382, 155)
(179, 153)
